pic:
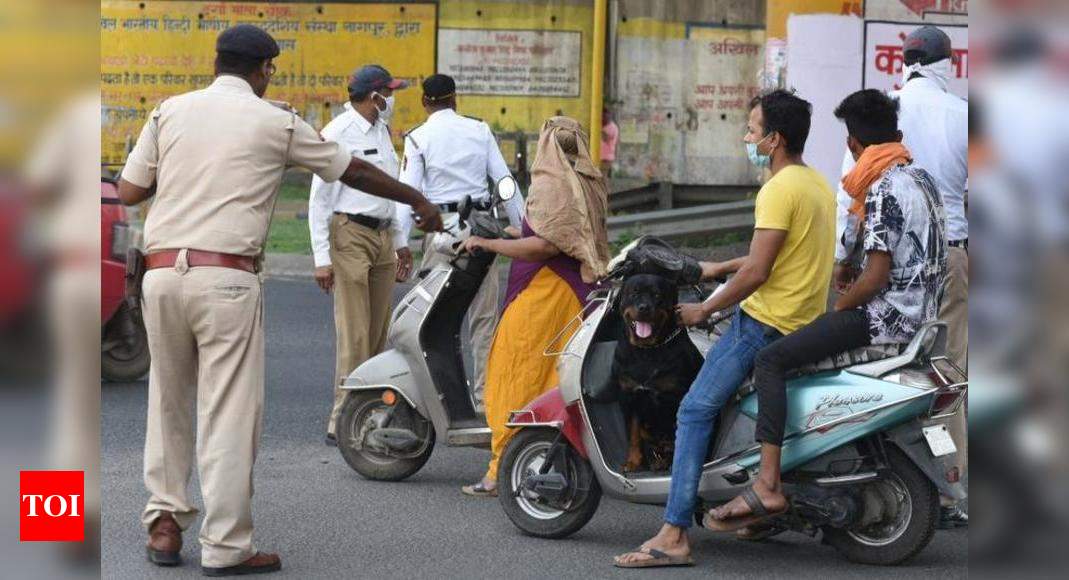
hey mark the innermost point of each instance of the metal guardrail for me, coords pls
(703, 220)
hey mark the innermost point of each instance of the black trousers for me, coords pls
(831, 333)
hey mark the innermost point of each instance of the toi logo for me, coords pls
(51, 506)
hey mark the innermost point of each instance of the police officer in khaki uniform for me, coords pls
(213, 161)
(354, 234)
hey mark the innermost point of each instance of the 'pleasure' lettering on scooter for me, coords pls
(837, 400)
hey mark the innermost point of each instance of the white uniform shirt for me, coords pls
(450, 156)
(372, 144)
(935, 129)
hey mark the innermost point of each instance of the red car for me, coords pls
(123, 342)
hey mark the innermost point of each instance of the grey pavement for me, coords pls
(328, 522)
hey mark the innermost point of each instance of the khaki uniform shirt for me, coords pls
(217, 156)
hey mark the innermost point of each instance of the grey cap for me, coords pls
(247, 40)
(926, 45)
(373, 77)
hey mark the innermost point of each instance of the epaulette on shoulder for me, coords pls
(473, 118)
(409, 134)
(282, 105)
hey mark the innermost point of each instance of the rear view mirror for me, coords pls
(507, 188)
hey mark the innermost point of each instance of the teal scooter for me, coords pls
(866, 457)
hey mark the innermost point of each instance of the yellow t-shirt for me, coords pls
(798, 200)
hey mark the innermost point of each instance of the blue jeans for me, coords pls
(727, 365)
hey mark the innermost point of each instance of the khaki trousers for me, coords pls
(365, 270)
(954, 310)
(482, 314)
(206, 338)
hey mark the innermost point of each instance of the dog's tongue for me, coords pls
(643, 329)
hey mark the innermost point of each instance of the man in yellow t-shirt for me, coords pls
(781, 286)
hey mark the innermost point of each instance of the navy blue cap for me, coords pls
(247, 40)
(439, 87)
(373, 77)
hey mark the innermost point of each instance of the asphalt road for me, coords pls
(328, 522)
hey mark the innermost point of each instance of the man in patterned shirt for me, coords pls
(897, 230)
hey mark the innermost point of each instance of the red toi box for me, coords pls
(51, 506)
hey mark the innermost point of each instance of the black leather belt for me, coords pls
(366, 220)
(959, 243)
(454, 207)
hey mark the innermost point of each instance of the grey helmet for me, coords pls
(926, 45)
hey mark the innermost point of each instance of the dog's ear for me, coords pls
(670, 292)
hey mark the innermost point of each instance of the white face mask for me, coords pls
(387, 113)
(939, 72)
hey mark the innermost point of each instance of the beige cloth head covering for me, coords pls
(568, 200)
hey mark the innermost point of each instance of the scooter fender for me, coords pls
(550, 410)
(910, 439)
(387, 370)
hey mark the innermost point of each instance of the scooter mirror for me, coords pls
(507, 188)
(464, 210)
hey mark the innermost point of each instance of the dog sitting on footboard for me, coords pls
(655, 364)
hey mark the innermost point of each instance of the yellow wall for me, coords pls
(524, 113)
(142, 66)
(183, 56)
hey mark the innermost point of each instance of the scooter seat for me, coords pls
(842, 360)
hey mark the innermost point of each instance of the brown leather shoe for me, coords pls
(258, 564)
(164, 541)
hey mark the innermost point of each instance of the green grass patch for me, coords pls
(292, 191)
(289, 236)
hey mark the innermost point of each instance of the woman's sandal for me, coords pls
(479, 490)
(758, 513)
(659, 559)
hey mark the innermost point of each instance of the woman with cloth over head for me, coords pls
(563, 251)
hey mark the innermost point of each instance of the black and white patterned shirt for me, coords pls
(905, 217)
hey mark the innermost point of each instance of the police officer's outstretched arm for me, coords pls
(366, 177)
(333, 162)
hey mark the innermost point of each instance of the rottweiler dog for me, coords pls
(654, 364)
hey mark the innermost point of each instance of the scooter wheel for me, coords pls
(910, 512)
(359, 415)
(533, 514)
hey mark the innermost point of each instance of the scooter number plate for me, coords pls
(939, 440)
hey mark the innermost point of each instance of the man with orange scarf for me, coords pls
(897, 233)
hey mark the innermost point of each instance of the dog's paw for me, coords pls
(634, 461)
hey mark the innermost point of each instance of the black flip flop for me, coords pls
(659, 560)
(758, 513)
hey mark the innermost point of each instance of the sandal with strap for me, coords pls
(758, 513)
(479, 490)
(659, 559)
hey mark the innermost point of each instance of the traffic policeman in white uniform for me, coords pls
(448, 157)
(212, 162)
(354, 233)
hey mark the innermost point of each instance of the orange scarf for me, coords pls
(872, 164)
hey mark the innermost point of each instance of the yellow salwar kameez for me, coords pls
(517, 372)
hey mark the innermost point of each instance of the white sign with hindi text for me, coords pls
(542, 63)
